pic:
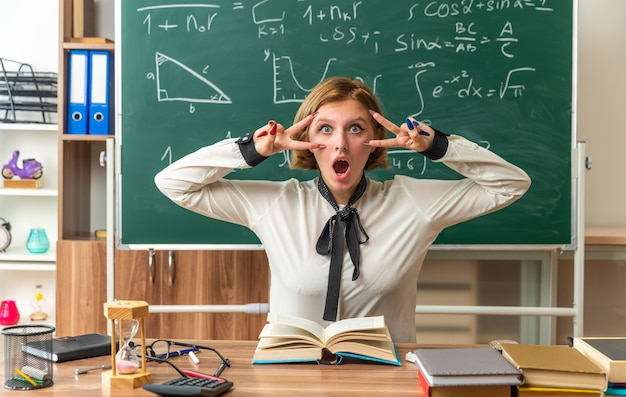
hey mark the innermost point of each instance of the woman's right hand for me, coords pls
(274, 138)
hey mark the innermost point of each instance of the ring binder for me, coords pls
(78, 92)
(99, 93)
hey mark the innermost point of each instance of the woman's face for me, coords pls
(342, 127)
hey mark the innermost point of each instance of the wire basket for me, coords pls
(23, 371)
(27, 96)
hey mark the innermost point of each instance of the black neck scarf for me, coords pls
(331, 241)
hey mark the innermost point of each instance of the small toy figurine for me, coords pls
(31, 168)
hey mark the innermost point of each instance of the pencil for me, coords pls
(28, 378)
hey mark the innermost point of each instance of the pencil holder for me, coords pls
(23, 371)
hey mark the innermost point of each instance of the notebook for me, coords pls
(466, 366)
(70, 347)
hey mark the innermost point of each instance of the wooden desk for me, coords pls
(360, 379)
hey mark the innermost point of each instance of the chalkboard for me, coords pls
(497, 72)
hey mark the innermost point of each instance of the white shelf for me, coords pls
(41, 192)
(32, 267)
(22, 255)
(25, 320)
(21, 259)
(29, 127)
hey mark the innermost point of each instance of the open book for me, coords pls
(294, 339)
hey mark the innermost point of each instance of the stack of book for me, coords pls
(467, 372)
(608, 353)
(554, 371)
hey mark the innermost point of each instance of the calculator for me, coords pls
(191, 386)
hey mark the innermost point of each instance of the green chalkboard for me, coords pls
(497, 72)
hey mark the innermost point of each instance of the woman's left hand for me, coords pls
(419, 137)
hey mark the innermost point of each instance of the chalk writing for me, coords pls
(337, 25)
(498, 72)
(166, 91)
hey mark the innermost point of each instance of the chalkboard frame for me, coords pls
(247, 239)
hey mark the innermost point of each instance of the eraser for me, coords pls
(35, 373)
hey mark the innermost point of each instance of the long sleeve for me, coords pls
(402, 216)
(490, 183)
(196, 182)
(202, 167)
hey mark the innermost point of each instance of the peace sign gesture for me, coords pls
(412, 135)
(274, 138)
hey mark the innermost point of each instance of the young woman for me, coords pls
(343, 245)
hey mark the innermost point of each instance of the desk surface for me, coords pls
(361, 379)
(605, 235)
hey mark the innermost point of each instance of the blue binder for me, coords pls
(100, 120)
(78, 94)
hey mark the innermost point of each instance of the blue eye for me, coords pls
(356, 129)
(325, 129)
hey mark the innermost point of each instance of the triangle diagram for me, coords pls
(178, 82)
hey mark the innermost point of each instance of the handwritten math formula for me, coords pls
(433, 60)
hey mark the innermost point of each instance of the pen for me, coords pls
(28, 378)
(84, 370)
(221, 368)
(196, 374)
(177, 353)
(413, 124)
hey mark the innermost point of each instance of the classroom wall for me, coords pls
(601, 108)
(30, 37)
(29, 32)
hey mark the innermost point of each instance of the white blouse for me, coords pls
(402, 217)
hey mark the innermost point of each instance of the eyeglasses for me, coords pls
(166, 345)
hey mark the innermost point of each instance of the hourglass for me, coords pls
(126, 360)
(127, 317)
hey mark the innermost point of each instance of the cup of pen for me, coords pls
(23, 371)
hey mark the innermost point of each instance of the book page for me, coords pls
(382, 350)
(286, 344)
(296, 322)
(360, 336)
(300, 354)
(354, 324)
(274, 334)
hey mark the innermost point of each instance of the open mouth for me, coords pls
(341, 167)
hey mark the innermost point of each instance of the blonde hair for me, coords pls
(336, 89)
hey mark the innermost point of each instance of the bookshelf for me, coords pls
(81, 258)
(20, 270)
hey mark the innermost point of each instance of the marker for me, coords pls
(413, 124)
(194, 359)
(409, 124)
